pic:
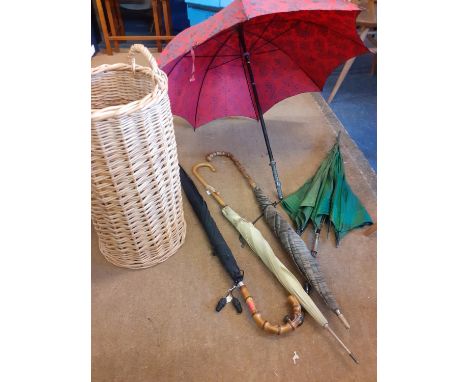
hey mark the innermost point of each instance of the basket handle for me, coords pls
(140, 48)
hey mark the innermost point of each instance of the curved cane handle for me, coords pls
(139, 48)
(209, 189)
(240, 167)
(292, 322)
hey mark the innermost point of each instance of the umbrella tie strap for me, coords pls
(274, 204)
(192, 53)
(227, 298)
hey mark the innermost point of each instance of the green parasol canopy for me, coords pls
(327, 195)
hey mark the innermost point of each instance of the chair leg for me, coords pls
(346, 68)
(110, 15)
(102, 21)
(118, 13)
(167, 17)
(341, 77)
(155, 7)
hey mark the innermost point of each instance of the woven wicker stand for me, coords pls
(136, 193)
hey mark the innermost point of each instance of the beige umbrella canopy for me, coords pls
(262, 249)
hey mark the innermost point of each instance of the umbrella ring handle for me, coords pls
(209, 189)
(291, 322)
(209, 157)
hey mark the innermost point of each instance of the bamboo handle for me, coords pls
(241, 168)
(296, 319)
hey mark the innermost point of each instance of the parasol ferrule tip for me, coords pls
(326, 326)
(354, 358)
(343, 319)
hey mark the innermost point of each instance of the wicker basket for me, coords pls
(136, 193)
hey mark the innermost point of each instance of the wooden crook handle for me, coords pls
(292, 322)
(212, 191)
(209, 157)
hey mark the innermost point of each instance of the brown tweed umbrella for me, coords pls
(290, 240)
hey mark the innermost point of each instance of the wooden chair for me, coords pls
(116, 25)
(366, 21)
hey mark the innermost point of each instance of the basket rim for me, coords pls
(160, 89)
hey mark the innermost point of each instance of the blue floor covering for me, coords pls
(355, 105)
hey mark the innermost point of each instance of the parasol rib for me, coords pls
(204, 74)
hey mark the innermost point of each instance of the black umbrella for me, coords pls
(224, 254)
(219, 245)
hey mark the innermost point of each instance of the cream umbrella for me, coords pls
(262, 249)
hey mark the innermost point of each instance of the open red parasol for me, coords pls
(253, 54)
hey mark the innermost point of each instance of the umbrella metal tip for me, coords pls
(354, 358)
(343, 320)
(341, 343)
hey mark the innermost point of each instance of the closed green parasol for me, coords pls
(327, 196)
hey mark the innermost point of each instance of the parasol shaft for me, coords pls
(256, 101)
(341, 343)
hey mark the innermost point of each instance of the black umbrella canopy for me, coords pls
(220, 247)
